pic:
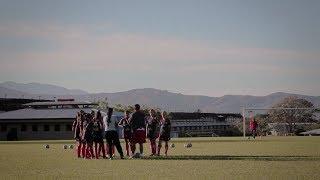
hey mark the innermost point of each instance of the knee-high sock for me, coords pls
(96, 150)
(166, 148)
(127, 148)
(83, 150)
(79, 149)
(159, 147)
(101, 146)
(141, 148)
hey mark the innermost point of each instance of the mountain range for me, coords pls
(151, 97)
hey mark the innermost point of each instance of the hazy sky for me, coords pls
(195, 47)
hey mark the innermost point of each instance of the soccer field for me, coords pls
(209, 158)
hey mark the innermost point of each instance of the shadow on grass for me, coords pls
(227, 157)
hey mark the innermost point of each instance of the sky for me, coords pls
(214, 48)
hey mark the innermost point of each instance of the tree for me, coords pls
(119, 108)
(292, 116)
(263, 120)
(102, 104)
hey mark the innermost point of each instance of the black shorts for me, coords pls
(97, 137)
(127, 135)
(164, 137)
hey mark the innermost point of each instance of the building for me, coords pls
(201, 124)
(314, 132)
(53, 120)
(41, 120)
(10, 104)
(283, 129)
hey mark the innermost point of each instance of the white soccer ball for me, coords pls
(172, 145)
(71, 146)
(136, 155)
(65, 146)
(188, 145)
(47, 146)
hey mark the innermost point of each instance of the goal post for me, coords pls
(249, 112)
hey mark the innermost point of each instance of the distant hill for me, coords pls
(159, 98)
(234, 102)
(11, 93)
(156, 98)
(45, 89)
(179, 102)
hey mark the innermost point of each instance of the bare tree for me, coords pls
(292, 116)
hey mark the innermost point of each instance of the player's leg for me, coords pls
(91, 150)
(166, 148)
(133, 142)
(83, 150)
(133, 148)
(101, 147)
(127, 147)
(153, 146)
(96, 149)
(109, 143)
(117, 143)
(141, 148)
(79, 146)
(159, 147)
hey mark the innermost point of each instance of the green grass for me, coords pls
(209, 158)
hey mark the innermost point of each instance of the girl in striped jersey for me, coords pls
(152, 131)
(165, 130)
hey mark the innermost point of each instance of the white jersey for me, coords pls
(112, 125)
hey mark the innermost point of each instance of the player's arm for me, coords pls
(74, 124)
(121, 122)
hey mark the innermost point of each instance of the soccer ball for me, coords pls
(71, 146)
(65, 146)
(47, 146)
(188, 145)
(136, 155)
(172, 145)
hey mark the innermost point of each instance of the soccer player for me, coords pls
(165, 129)
(153, 131)
(138, 126)
(112, 137)
(124, 122)
(88, 136)
(76, 128)
(97, 135)
(253, 127)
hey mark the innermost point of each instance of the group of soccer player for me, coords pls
(90, 129)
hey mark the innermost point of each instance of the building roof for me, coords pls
(59, 103)
(185, 115)
(312, 132)
(43, 114)
(30, 113)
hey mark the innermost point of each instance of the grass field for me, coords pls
(209, 158)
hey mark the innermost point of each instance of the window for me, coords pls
(46, 127)
(3, 127)
(23, 127)
(34, 127)
(57, 127)
(68, 127)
